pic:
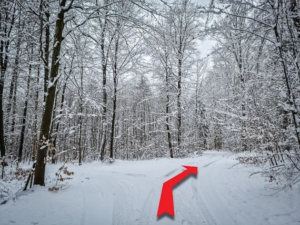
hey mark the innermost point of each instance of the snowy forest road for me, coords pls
(128, 192)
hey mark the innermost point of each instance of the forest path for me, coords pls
(128, 192)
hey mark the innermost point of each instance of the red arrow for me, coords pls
(166, 204)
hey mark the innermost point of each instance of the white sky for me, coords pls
(205, 47)
(201, 1)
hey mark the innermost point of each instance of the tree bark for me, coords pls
(104, 91)
(80, 117)
(7, 20)
(179, 96)
(45, 53)
(24, 115)
(168, 127)
(115, 78)
(167, 107)
(36, 104)
(290, 93)
(47, 114)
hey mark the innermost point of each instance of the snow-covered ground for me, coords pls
(128, 192)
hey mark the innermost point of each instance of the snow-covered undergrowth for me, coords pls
(281, 168)
(128, 192)
(12, 180)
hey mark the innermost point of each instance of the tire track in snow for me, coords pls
(124, 202)
(95, 202)
(148, 210)
(185, 205)
(208, 164)
(170, 172)
(134, 196)
(211, 194)
(84, 207)
(201, 203)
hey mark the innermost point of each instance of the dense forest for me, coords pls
(107, 79)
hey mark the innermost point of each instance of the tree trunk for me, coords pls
(287, 78)
(243, 90)
(80, 116)
(12, 88)
(179, 97)
(36, 104)
(104, 91)
(60, 110)
(24, 115)
(167, 112)
(44, 4)
(47, 114)
(7, 19)
(115, 78)
(2, 145)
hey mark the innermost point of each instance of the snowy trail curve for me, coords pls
(128, 192)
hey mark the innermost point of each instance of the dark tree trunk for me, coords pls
(7, 19)
(167, 111)
(80, 135)
(80, 117)
(115, 78)
(168, 129)
(104, 91)
(24, 116)
(179, 98)
(47, 114)
(243, 103)
(2, 145)
(12, 90)
(44, 7)
(53, 117)
(287, 78)
(36, 104)
(13, 120)
(62, 101)
(60, 111)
